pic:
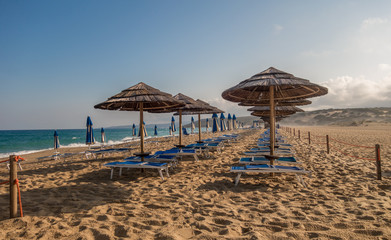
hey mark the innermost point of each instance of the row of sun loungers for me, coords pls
(160, 167)
(266, 168)
(257, 161)
(163, 160)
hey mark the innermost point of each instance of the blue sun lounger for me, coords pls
(267, 144)
(206, 147)
(268, 149)
(103, 152)
(267, 152)
(264, 160)
(133, 164)
(180, 152)
(171, 159)
(265, 168)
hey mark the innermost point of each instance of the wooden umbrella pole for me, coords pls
(272, 123)
(141, 128)
(199, 127)
(378, 162)
(180, 127)
(13, 187)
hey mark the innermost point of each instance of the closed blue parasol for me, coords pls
(102, 135)
(90, 132)
(140, 97)
(192, 125)
(173, 129)
(234, 122)
(155, 132)
(229, 122)
(223, 126)
(215, 126)
(56, 140)
(134, 130)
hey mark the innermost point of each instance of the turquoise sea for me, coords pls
(21, 142)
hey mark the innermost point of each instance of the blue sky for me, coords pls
(60, 58)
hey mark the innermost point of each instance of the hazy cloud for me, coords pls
(347, 91)
(372, 22)
(277, 28)
(374, 36)
(384, 67)
(322, 53)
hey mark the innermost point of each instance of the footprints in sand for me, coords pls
(199, 201)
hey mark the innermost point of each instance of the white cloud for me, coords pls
(347, 91)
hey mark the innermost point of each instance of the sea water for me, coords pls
(21, 142)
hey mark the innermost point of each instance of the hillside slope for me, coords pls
(341, 117)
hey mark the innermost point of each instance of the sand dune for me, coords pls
(74, 199)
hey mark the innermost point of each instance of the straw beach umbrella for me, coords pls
(201, 108)
(298, 102)
(278, 118)
(140, 97)
(271, 86)
(208, 109)
(90, 132)
(260, 111)
(190, 107)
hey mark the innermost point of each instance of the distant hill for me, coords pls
(340, 117)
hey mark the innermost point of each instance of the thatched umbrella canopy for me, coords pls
(260, 111)
(273, 85)
(190, 106)
(297, 102)
(285, 85)
(140, 97)
(207, 109)
(277, 119)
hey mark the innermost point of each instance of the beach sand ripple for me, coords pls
(75, 199)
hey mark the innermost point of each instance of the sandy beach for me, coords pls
(75, 199)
